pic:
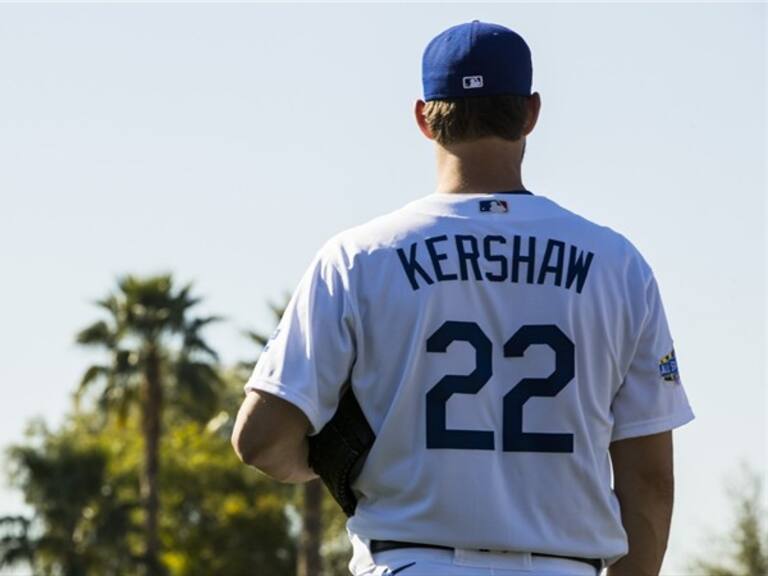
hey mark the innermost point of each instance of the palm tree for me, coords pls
(309, 561)
(156, 353)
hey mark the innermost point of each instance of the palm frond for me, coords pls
(183, 294)
(198, 373)
(182, 301)
(198, 387)
(91, 374)
(278, 309)
(201, 321)
(97, 334)
(193, 342)
(111, 304)
(257, 338)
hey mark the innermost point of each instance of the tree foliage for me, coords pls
(217, 516)
(84, 480)
(743, 551)
(81, 523)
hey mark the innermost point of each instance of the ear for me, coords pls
(534, 106)
(418, 111)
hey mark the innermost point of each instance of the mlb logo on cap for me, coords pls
(472, 82)
(494, 206)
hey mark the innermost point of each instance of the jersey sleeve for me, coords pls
(310, 355)
(651, 398)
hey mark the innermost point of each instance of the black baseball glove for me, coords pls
(337, 453)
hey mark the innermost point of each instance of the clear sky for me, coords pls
(225, 143)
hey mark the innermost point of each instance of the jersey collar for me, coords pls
(521, 205)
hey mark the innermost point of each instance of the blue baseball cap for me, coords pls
(476, 59)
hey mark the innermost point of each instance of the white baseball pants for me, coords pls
(460, 562)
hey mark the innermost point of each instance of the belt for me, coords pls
(382, 545)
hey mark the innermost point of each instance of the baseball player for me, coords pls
(511, 359)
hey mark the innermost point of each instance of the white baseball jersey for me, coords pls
(497, 344)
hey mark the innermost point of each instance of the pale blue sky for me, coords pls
(226, 142)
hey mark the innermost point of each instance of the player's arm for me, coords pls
(644, 485)
(271, 435)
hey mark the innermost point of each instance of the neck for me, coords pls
(481, 166)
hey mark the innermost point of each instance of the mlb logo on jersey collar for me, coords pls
(495, 206)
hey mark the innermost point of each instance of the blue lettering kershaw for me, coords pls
(486, 258)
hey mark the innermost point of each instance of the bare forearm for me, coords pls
(288, 465)
(646, 514)
(271, 434)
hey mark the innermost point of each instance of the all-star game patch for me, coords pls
(668, 367)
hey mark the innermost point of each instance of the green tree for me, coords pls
(221, 517)
(79, 525)
(82, 483)
(744, 551)
(156, 353)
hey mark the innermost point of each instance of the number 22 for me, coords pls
(513, 437)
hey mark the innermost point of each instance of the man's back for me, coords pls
(497, 343)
